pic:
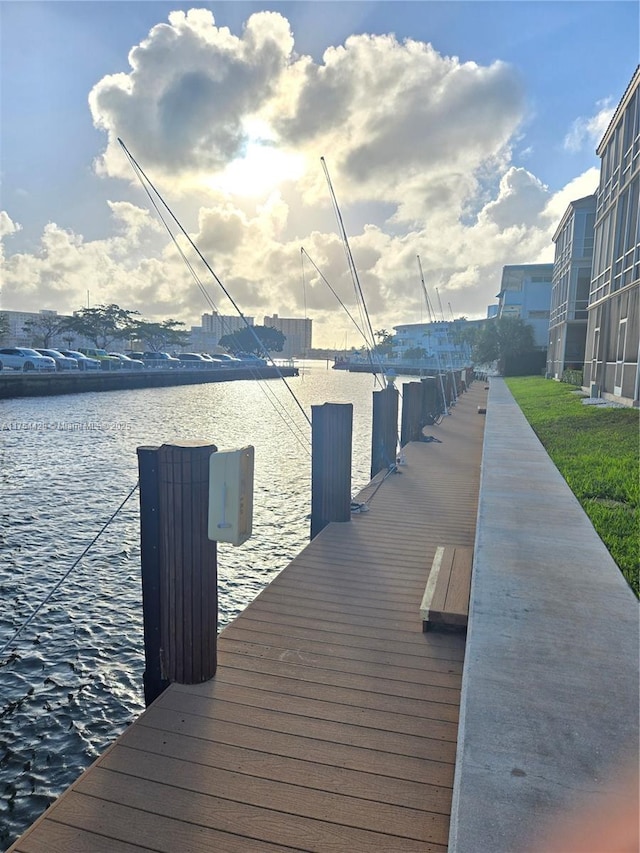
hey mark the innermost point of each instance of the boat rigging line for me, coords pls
(304, 252)
(148, 185)
(360, 300)
(59, 583)
(431, 315)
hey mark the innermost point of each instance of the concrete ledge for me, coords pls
(550, 688)
(15, 384)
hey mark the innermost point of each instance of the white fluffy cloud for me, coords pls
(233, 128)
(589, 130)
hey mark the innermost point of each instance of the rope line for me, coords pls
(146, 182)
(59, 583)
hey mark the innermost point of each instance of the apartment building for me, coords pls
(525, 292)
(214, 326)
(297, 332)
(43, 322)
(571, 282)
(613, 325)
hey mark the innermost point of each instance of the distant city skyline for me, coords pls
(456, 131)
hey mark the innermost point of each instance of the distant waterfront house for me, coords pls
(613, 325)
(570, 290)
(439, 340)
(525, 292)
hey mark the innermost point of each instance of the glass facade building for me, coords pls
(613, 325)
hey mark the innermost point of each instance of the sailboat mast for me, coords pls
(431, 320)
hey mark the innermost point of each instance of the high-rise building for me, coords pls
(613, 325)
(297, 333)
(570, 291)
(214, 326)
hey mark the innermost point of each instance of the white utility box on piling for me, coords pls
(231, 495)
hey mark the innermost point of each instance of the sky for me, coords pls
(453, 131)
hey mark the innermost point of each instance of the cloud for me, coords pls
(521, 198)
(183, 105)
(588, 131)
(7, 225)
(7, 228)
(233, 126)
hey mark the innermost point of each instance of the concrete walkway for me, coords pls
(549, 710)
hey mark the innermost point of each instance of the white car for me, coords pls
(25, 358)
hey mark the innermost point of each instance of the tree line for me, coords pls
(102, 325)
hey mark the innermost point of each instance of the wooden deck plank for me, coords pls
(60, 838)
(280, 796)
(457, 601)
(429, 771)
(282, 828)
(335, 732)
(259, 764)
(315, 707)
(358, 666)
(389, 685)
(358, 698)
(287, 645)
(331, 724)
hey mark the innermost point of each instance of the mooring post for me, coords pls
(448, 385)
(384, 433)
(411, 421)
(179, 566)
(430, 405)
(331, 434)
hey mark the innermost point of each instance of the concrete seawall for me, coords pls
(13, 384)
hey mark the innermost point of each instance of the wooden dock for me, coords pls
(331, 723)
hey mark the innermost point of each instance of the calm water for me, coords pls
(72, 681)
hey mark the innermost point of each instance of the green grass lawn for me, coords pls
(596, 451)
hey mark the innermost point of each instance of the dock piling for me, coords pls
(179, 566)
(384, 434)
(331, 434)
(411, 423)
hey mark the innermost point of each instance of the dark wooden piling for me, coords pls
(179, 566)
(384, 434)
(431, 402)
(331, 435)
(411, 422)
(448, 388)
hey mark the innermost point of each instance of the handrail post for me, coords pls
(331, 438)
(179, 566)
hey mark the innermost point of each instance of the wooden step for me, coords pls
(445, 603)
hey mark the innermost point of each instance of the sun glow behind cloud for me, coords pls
(262, 169)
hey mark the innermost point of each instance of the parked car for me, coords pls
(128, 363)
(193, 360)
(160, 359)
(25, 358)
(63, 362)
(138, 356)
(226, 360)
(107, 362)
(84, 362)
